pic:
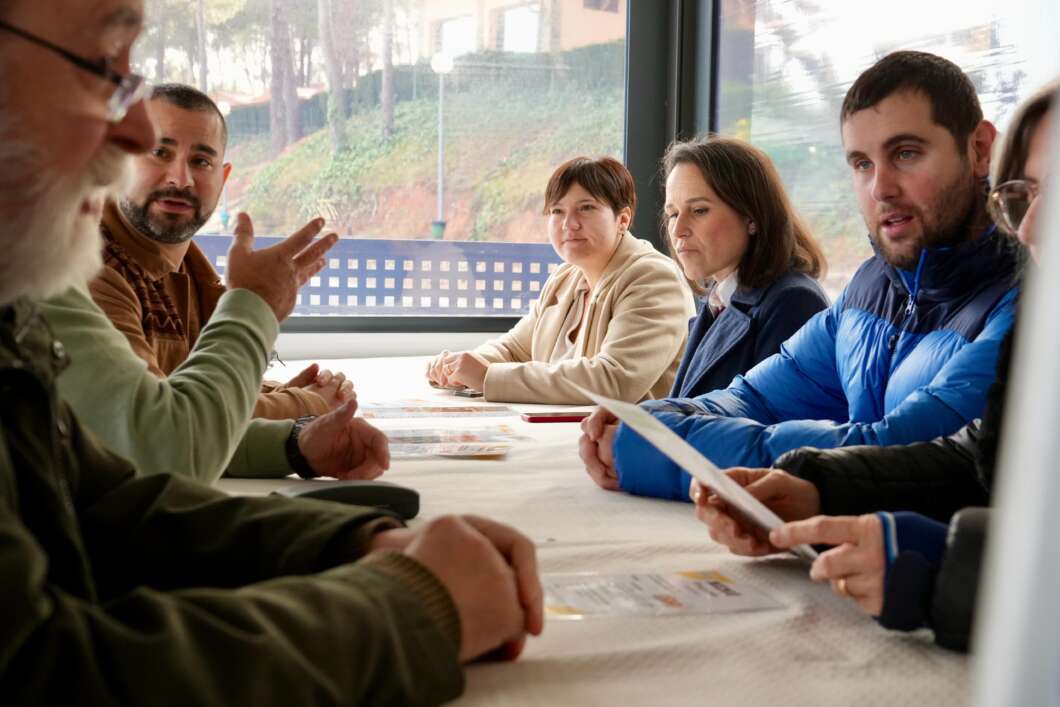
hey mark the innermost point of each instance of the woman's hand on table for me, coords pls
(436, 375)
(595, 448)
(343, 446)
(466, 369)
(463, 369)
(856, 567)
(788, 496)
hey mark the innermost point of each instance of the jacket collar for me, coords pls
(26, 342)
(746, 297)
(15, 319)
(630, 248)
(945, 272)
(724, 332)
(734, 326)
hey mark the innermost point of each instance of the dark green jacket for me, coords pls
(126, 589)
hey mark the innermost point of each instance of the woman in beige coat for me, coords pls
(613, 318)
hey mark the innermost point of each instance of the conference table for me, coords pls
(818, 649)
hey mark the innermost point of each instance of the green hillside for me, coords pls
(501, 146)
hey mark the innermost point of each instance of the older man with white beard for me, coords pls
(122, 588)
(60, 243)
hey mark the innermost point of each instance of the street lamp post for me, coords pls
(442, 64)
(225, 107)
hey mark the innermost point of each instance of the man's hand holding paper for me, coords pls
(790, 497)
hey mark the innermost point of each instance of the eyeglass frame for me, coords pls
(130, 88)
(993, 200)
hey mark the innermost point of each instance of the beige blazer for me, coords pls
(628, 348)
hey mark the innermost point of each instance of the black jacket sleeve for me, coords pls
(935, 478)
(169, 532)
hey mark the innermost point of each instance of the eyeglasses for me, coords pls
(131, 88)
(1008, 203)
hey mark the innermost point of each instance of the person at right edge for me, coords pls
(916, 560)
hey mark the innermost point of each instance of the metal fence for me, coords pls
(367, 276)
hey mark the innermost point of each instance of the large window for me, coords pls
(786, 64)
(321, 123)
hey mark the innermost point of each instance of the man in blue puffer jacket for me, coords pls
(908, 350)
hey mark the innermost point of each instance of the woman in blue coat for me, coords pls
(730, 225)
(745, 251)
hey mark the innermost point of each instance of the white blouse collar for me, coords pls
(722, 292)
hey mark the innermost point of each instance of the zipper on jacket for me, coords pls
(911, 301)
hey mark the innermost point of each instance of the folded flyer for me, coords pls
(467, 443)
(576, 596)
(400, 409)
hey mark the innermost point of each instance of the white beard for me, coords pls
(47, 244)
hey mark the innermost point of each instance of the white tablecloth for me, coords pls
(818, 650)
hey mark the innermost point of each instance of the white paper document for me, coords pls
(576, 596)
(688, 458)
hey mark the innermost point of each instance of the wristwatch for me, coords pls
(295, 459)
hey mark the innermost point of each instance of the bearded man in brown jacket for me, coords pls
(157, 287)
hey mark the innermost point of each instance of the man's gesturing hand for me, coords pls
(276, 273)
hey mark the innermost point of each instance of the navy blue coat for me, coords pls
(749, 330)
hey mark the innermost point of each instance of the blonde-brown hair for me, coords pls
(1011, 156)
(745, 179)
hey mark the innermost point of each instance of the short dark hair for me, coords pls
(954, 103)
(189, 98)
(605, 178)
(745, 179)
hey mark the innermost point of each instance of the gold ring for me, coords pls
(841, 587)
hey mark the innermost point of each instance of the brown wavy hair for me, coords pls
(745, 179)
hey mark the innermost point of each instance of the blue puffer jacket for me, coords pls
(900, 357)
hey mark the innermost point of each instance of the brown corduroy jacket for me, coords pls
(162, 306)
